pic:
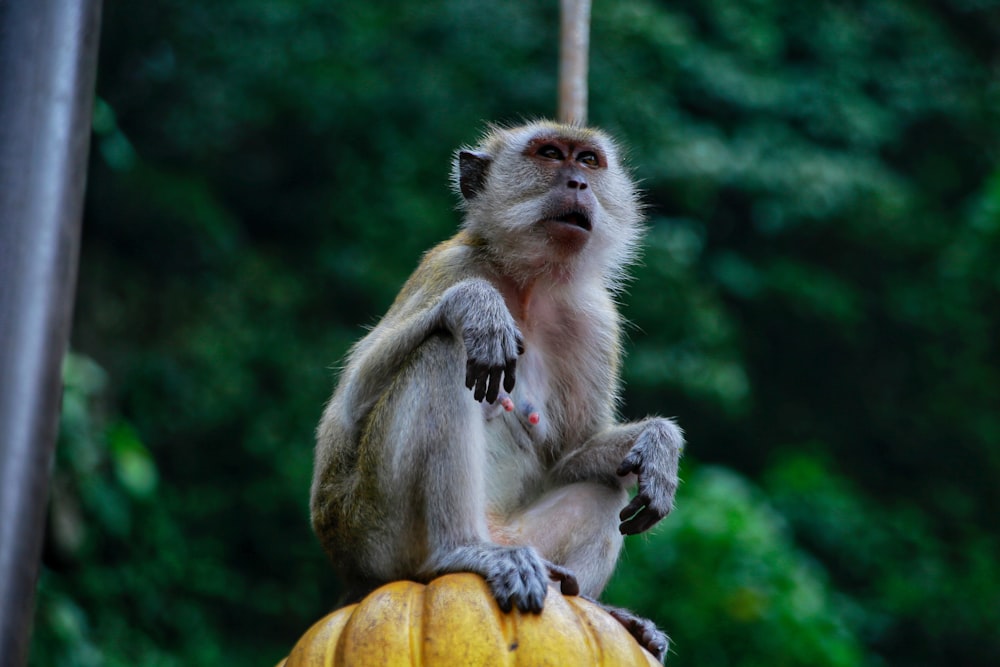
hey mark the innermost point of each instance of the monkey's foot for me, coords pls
(518, 576)
(644, 630)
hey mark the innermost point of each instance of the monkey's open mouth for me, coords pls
(575, 218)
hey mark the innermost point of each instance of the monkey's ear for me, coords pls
(472, 168)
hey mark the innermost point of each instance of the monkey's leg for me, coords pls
(577, 526)
(427, 434)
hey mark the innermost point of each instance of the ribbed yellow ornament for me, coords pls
(454, 621)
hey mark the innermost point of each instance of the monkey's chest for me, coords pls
(523, 417)
(526, 430)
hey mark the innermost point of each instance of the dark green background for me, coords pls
(818, 304)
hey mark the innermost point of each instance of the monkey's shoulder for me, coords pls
(442, 266)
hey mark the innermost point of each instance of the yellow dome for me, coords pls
(454, 621)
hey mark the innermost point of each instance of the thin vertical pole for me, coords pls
(574, 45)
(48, 57)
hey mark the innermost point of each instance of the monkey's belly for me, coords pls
(514, 472)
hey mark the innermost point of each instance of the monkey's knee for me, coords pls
(433, 376)
(426, 400)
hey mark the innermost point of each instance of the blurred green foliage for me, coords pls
(818, 303)
(758, 599)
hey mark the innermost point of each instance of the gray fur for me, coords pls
(421, 470)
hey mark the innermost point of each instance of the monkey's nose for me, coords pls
(574, 184)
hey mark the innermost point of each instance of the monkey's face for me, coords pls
(548, 193)
(567, 205)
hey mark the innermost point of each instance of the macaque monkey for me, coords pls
(473, 428)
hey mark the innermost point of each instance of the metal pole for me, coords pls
(48, 58)
(574, 45)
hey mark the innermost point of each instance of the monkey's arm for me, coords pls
(472, 310)
(650, 449)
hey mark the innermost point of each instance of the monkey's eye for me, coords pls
(589, 158)
(551, 152)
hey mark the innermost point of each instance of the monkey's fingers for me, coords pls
(635, 516)
(568, 584)
(508, 375)
(640, 523)
(480, 382)
(470, 374)
(493, 390)
(642, 513)
(530, 602)
(629, 465)
(630, 510)
(645, 631)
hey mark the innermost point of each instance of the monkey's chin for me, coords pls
(568, 236)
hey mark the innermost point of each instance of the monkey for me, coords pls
(474, 428)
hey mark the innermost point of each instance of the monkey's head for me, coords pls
(547, 196)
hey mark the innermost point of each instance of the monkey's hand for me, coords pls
(492, 339)
(654, 459)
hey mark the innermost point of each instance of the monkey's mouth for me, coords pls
(575, 218)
